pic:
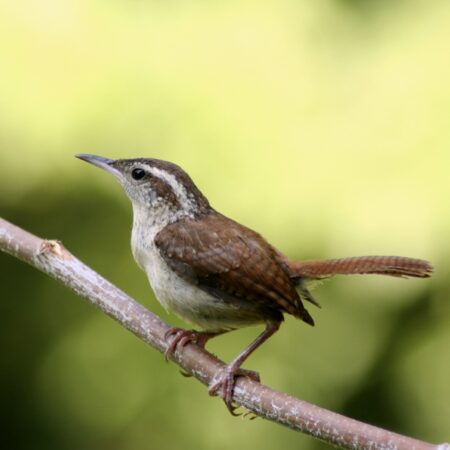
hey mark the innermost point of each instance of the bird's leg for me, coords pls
(224, 381)
(180, 337)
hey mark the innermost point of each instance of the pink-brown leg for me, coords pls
(180, 337)
(223, 383)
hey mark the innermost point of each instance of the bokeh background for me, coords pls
(323, 124)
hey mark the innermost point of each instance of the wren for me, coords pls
(216, 273)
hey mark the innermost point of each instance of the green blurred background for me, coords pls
(322, 124)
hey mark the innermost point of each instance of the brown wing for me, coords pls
(220, 254)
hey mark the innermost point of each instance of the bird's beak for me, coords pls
(103, 163)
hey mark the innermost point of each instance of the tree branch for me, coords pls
(53, 259)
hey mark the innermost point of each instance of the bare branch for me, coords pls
(53, 259)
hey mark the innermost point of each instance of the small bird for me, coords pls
(216, 273)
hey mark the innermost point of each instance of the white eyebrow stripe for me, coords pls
(177, 187)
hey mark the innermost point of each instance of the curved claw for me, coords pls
(179, 336)
(182, 337)
(225, 381)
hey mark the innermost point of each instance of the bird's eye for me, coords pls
(137, 173)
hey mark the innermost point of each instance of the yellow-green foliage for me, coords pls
(323, 124)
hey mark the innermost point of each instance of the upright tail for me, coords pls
(396, 266)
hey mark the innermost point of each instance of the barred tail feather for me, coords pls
(396, 266)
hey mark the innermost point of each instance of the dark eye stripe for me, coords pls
(164, 190)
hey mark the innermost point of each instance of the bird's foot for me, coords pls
(224, 382)
(180, 337)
